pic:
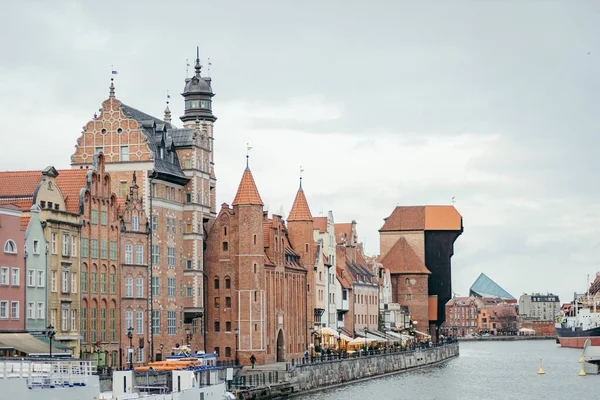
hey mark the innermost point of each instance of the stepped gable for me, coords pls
(247, 193)
(402, 259)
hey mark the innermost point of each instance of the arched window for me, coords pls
(216, 283)
(10, 247)
(407, 281)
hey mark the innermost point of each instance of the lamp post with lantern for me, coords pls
(130, 349)
(50, 332)
(237, 333)
(366, 331)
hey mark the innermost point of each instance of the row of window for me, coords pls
(108, 250)
(6, 278)
(360, 299)
(68, 281)
(68, 320)
(4, 311)
(361, 319)
(123, 152)
(112, 283)
(94, 325)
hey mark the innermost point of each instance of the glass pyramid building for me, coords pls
(485, 287)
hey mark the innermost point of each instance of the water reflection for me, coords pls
(484, 370)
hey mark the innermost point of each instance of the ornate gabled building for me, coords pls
(100, 272)
(358, 280)
(177, 185)
(256, 283)
(135, 285)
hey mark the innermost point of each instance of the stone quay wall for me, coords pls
(336, 372)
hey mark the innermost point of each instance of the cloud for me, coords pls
(395, 103)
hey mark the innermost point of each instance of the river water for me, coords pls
(484, 370)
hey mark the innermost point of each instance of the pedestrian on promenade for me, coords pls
(252, 360)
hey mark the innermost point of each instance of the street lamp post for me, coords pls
(339, 338)
(366, 331)
(187, 336)
(130, 350)
(237, 333)
(161, 354)
(50, 332)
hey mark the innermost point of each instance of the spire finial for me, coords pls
(198, 67)
(301, 171)
(167, 117)
(113, 71)
(248, 148)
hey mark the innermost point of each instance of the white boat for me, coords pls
(74, 379)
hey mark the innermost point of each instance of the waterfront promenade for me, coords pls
(281, 379)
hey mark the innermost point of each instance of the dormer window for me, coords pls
(162, 153)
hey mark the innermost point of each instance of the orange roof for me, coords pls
(25, 221)
(70, 182)
(22, 185)
(341, 230)
(22, 204)
(247, 192)
(343, 277)
(421, 218)
(402, 259)
(320, 223)
(19, 183)
(300, 210)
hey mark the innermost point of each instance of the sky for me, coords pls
(382, 103)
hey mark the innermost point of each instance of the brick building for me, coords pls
(175, 174)
(134, 284)
(417, 244)
(462, 316)
(12, 269)
(257, 283)
(100, 273)
(358, 280)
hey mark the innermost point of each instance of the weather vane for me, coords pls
(248, 148)
(187, 68)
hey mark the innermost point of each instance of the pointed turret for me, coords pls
(247, 193)
(300, 210)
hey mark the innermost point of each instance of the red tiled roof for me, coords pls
(70, 182)
(22, 185)
(320, 223)
(247, 193)
(19, 183)
(22, 204)
(300, 210)
(344, 278)
(420, 218)
(25, 221)
(402, 259)
(342, 230)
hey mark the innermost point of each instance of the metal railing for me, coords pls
(370, 351)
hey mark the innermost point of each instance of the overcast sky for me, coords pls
(381, 103)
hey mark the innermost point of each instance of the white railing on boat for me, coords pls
(47, 372)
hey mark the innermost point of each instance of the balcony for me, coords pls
(343, 306)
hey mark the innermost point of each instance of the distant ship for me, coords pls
(573, 331)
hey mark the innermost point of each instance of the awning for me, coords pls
(333, 332)
(27, 344)
(399, 336)
(55, 344)
(423, 333)
(370, 339)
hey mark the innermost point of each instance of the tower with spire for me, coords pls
(234, 264)
(198, 95)
(300, 231)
